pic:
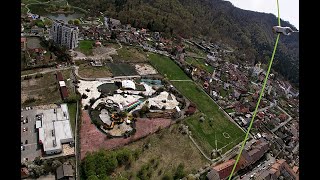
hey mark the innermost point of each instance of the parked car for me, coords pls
(25, 129)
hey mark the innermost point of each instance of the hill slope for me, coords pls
(217, 20)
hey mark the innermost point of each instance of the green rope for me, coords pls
(260, 97)
(278, 12)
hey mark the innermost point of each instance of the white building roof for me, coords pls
(38, 124)
(55, 128)
(104, 116)
(178, 109)
(128, 84)
(62, 83)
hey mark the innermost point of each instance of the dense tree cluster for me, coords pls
(100, 165)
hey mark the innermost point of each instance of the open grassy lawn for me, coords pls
(168, 149)
(220, 124)
(200, 63)
(88, 71)
(72, 107)
(202, 132)
(167, 67)
(129, 54)
(195, 50)
(85, 46)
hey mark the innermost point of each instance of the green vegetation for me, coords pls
(163, 154)
(38, 9)
(122, 69)
(39, 23)
(101, 164)
(229, 110)
(85, 46)
(167, 67)
(129, 54)
(194, 50)
(76, 22)
(199, 63)
(72, 107)
(212, 21)
(203, 131)
(88, 71)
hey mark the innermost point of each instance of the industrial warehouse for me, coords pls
(47, 132)
(55, 129)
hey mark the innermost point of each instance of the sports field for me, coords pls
(216, 131)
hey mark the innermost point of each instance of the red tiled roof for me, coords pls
(295, 169)
(283, 116)
(225, 168)
(64, 92)
(59, 76)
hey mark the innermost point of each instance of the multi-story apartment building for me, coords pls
(64, 34)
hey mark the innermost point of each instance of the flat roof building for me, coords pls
(55, 130)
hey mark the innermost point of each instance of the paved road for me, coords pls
(264, 165)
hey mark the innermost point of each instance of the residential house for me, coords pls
(281, 168)
(223, 170)
(282, 117)
(252, 155)
(37, 30)
(62, 85)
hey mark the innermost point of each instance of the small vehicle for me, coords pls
(22, 148)
(25, 129)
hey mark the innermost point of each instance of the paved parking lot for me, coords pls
(32, 149)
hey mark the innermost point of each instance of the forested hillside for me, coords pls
(216, 20)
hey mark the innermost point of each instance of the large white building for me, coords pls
(55, 129)
(64, 34)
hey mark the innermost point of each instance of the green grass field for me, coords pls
(129, 54)
(205, 134)
(72, 107)
(167, 67)
(85, 47)
(200, 63)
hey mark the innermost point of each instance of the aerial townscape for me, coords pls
(103, 98)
